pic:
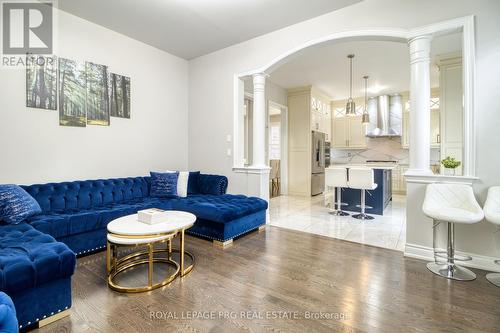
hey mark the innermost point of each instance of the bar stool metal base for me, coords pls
(363, 206)
(451, 271)
(363, 216)
(338, 213)
(494, 278)
(338, 204)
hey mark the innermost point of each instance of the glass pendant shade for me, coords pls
(350, 107)
(365, 118)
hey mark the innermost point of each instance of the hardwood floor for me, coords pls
(284, 273)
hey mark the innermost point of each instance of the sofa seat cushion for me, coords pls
(73, 222)
(8, 319)
(30, 258)
(219, 208)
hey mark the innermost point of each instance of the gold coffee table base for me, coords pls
(116, 266)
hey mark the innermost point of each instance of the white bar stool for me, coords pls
(362, 179)
(451, 203)
(492, 214)
(337, 177)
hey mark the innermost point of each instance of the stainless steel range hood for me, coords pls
(385, 116)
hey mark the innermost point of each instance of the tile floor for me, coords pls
(310, 215)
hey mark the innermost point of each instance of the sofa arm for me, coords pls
(8, 319)
(212, 184)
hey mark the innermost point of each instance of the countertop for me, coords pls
(385, 166)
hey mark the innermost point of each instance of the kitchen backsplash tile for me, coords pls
(387, 148)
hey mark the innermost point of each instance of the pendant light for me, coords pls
(366, 116)
(350, 108)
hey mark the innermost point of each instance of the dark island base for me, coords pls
(378, 198)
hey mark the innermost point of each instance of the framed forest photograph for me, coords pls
(119, 96)
(41, 82)
(97, 94)
(72, 93)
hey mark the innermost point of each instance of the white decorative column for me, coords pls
(259, 121)
(258, 172)
(420, 94)
(418, 226)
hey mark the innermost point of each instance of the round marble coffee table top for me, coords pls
(130, 225)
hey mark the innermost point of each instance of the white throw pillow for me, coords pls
(182, 183)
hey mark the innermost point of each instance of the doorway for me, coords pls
(277, 148)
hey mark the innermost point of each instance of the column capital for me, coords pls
(427, 38)
(259, 81)
(262, 75)
(420, 48)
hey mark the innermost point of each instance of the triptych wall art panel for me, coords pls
(84, 93)
(119, 95)
(72, 93)
(97, 94)
(41, 83)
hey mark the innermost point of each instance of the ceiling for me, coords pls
(387, 64)
(191, 28)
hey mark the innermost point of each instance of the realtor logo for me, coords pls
(27, 27)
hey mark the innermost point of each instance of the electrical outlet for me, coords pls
(228, 152)
(228, 138)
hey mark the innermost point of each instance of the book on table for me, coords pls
(152, 215)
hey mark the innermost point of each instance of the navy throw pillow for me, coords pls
(164, 185)
(16, 205)
(193, 182)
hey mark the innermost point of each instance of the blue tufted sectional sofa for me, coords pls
(37, 258)
(8, 320)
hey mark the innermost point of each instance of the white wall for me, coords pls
(34, 148)
(211, 87)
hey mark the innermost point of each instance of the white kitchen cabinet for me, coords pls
(340, 132)
(435, 133)
(315, 120)
(328, 125)
(398, 179)
(308, 110)
(402, 183)
(321, 116)
(357, 133)
(451, 104)
(405, 137)
(435, 129)
(348, 132)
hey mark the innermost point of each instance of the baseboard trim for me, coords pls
(478, 261)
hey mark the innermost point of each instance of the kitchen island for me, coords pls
(377, 199)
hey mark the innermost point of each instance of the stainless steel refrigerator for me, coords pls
(318, 163)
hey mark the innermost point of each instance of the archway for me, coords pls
(257, 175)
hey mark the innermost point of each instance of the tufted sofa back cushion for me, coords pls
(77, 195)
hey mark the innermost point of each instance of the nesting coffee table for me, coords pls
(156, 243)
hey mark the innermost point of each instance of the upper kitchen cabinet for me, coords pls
(320, 113)
(452, 113)
(348, 131)
(435, 117)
